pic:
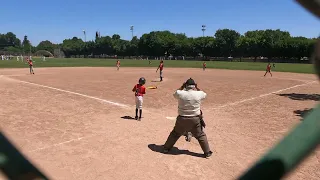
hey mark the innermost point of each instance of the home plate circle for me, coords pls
(171, 118)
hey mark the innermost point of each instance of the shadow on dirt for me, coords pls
(302, 97)
(127, 117)
(302, 113)
(173, 151)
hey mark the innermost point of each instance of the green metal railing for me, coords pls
(291, 150)
(14, 165)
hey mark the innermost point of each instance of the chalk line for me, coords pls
(171, 118)
(70, 92)
(59, 144)
(291, 79)
(263, 95)
(253, 98)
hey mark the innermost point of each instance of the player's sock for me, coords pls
(140, 113)
(136, 113)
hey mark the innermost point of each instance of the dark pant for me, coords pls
(188, 124)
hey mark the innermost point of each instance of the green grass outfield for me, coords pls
(280, 67)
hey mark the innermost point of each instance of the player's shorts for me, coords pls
(139, 102)
(268, 70)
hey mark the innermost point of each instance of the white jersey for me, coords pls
(189, 102)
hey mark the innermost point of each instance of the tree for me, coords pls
(74, 46)
(226, 40)
(9, 42)
(104, 45)
(26, 45)
(133, 49)
(46, 45)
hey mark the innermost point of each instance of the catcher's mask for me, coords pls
(190, 83)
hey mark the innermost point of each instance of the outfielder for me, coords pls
(118, 65)
(30, 65)
(139, 91)
(161, 69)
(268, 70)
(204, 66)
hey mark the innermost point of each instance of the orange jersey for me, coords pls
(139, 90)
(118, 63)
(30, 62)
(268, 67)
(204, 64)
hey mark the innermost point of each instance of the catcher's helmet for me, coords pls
(190, 82)
(142, 81)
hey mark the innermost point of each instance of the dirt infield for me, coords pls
(73, 122)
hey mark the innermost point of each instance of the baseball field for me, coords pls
(76, 122)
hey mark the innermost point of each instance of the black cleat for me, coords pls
(207, 155)
(165, 150)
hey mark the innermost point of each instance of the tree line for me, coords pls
(272, 44)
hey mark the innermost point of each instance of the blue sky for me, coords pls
(60, 19)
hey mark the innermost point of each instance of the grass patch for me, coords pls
(73, 62)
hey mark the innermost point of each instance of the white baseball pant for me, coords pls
(139, 102)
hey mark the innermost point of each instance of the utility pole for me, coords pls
(203, 29)
(131, 29)
(85, 36)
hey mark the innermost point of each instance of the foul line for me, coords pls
(263, 95)
(58, 144)
(70, 92)
(253, 98)
(291, 79)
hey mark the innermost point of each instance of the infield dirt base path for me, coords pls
(74, 123)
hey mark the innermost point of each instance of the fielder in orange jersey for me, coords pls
(161, 69)
(204, 66)
(139, 90)
(118, 65)
(29, 61)
(268, 70)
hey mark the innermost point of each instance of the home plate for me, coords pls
(171, 118)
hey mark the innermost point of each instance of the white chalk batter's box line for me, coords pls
(127, 106)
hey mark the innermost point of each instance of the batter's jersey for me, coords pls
(139, 90)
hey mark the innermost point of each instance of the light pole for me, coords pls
(203, 29)
(131, 29)
(85, 36)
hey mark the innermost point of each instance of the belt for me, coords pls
(189, 116)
